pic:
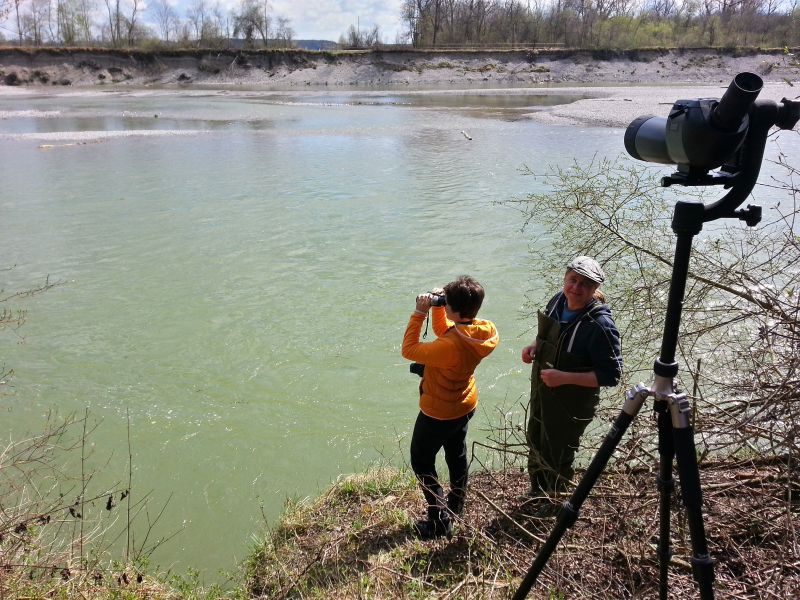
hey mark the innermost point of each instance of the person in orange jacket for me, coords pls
(448, 395)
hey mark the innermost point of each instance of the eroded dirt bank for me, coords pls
(87, 67)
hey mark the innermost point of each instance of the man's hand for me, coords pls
(553, 378)
(528, 353)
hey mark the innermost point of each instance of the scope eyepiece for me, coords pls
(736, 102)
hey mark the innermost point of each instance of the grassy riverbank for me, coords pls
(356, 541)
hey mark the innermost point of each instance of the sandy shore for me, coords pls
(617, 107)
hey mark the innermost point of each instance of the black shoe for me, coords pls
(546, 510)
(434, 528)
(455, 505)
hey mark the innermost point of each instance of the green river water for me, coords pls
(236, 269)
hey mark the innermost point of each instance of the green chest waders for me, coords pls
(557, 417)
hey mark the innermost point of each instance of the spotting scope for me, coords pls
(698, 135)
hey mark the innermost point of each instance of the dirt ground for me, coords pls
(612, 549)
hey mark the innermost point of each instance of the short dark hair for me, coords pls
(465, 296)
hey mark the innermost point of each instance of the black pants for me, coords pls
(430, 435)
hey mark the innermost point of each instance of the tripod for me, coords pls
(672, 408)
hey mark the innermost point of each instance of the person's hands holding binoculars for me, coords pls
(425, 301)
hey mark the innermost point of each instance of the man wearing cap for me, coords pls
(576, 351)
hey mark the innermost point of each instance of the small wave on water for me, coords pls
(96, 136)
(335, 104)
(29, 114)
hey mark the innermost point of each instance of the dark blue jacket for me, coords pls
(592, 336)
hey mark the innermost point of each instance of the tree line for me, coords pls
(603, 23)
(127, 23)
(426, 23)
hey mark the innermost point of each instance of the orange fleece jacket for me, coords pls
(448, 390)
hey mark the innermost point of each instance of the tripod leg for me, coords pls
(634, 399)
(666, 484)
(702, 565)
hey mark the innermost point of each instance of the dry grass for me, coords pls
(356, 540)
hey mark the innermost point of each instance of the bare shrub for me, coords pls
(739, 342)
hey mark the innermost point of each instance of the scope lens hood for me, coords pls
(645, 139)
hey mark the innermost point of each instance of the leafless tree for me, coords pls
(67, 22)
(408, 14)
(34, 21)
(252, 19)
(115, 18)
(207, 22)
(131, 23)
(358, 39)
(427, 16)
(166, 19)
(265, 25)
(84, 20)
(18, 15)
(283, 32)
(197, 14)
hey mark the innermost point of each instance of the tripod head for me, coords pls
(705, 134)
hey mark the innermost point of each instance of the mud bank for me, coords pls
(291, 68)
